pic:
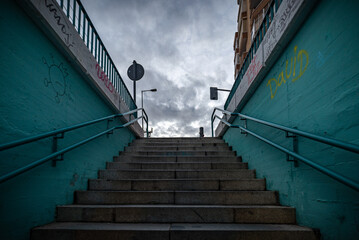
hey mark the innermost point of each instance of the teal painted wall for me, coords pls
(40, 91)
(324, 100)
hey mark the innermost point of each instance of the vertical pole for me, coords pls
(142, 110)
(79, 22)
(95, 43)
(102, 61)
(68, 9)
(134, 82)
(212, 126)
(92, 40)
(88, 35)
(147, 128)
(74, 15)
(84, 27)
(134, 97)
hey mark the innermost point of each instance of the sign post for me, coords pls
(135, 72)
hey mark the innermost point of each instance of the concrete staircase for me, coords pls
(175, 188)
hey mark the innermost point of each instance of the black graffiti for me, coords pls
(56, 80)
(291, 6)
(52, 8)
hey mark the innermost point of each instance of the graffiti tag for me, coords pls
(57, 78)
(253, 69)
(300, 61)
(103, 77)
(288, 11)
(59, 21)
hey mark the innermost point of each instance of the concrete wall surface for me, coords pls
(313, 86)
(41, 91)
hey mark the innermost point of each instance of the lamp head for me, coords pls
(154, 90)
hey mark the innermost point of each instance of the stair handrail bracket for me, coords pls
(295, 132)
(60, 133)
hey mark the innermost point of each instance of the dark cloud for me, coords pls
(185, 47)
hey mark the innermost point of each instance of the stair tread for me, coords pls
(178, 179)
(139, 197)
(143, 162)
(170, 151)
(182, 179)
(174, 226)
(178, 191)
(179, 170)
(182, 156)
(172, 206)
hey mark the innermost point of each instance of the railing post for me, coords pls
(147, 128)
(245, 126)
(201, 134)
(212, 126)
(79, 22)
(294, 146)
(108, 126)
(54, 148)
(68, 9)
(74, 15)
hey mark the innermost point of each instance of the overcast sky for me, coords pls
(185, 46)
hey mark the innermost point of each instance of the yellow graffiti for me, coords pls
(277, 82)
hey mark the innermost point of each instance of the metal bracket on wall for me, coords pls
(108, 126)
(54, 149)
(245, 126)
(295, 148)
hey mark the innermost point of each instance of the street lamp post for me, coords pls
(149, 90)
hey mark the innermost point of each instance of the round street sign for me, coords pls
(135, 72)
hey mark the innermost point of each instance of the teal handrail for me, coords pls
(67, 149)
(53, 133)
(333, 142)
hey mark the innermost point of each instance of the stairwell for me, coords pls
(175, 188)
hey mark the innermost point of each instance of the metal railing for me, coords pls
(60, 133)
(254, 47)
(295, 132)
(106, 69)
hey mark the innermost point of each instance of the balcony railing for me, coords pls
(79, 18)
(254, 47)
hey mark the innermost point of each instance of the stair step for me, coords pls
(137, 158)
(176, 214)
(175, 188)
(177, 184)
(176, 231)
(177, 197)
(146, 148)
(182, 147)
(181, 140)
(180, 153)
(174, 144)
(177, 165)
(116, 174)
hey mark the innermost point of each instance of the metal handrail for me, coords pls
(333, 142)
(52, 133)
(86, 30)
(63, 130)
(67, 149)
(145, 117)
(257, 40)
